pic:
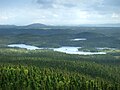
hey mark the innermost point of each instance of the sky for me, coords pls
(59, 12)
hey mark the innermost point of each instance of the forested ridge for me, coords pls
(61, 36)
(22, 69)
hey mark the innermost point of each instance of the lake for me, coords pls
(78, 39)
(29, 47)
(106, 48)
(64, 49)
(74, 50)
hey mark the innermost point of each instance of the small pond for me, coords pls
(79, 39)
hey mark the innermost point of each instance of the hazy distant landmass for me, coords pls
(40, 25)
(33, 26)
(101, 25)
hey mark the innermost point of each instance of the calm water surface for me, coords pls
(64, 49)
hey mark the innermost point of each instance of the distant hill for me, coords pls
(34, 26)
(31, 26)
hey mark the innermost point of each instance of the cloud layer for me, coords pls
(59, 12)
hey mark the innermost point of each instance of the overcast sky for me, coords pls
(59, 12)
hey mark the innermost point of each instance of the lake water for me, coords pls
(104, 48)
(64, 49)
(29, 47)
(78, 39)
(74, 50)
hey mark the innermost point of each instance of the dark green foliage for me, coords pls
(48, 70)
(17, 77)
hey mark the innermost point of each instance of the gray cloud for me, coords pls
(14, 3)
(115, 3)
(45, 3)
(97, 5)
(57, 3)
(59, 11)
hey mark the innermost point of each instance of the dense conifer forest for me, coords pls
(22, 69)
